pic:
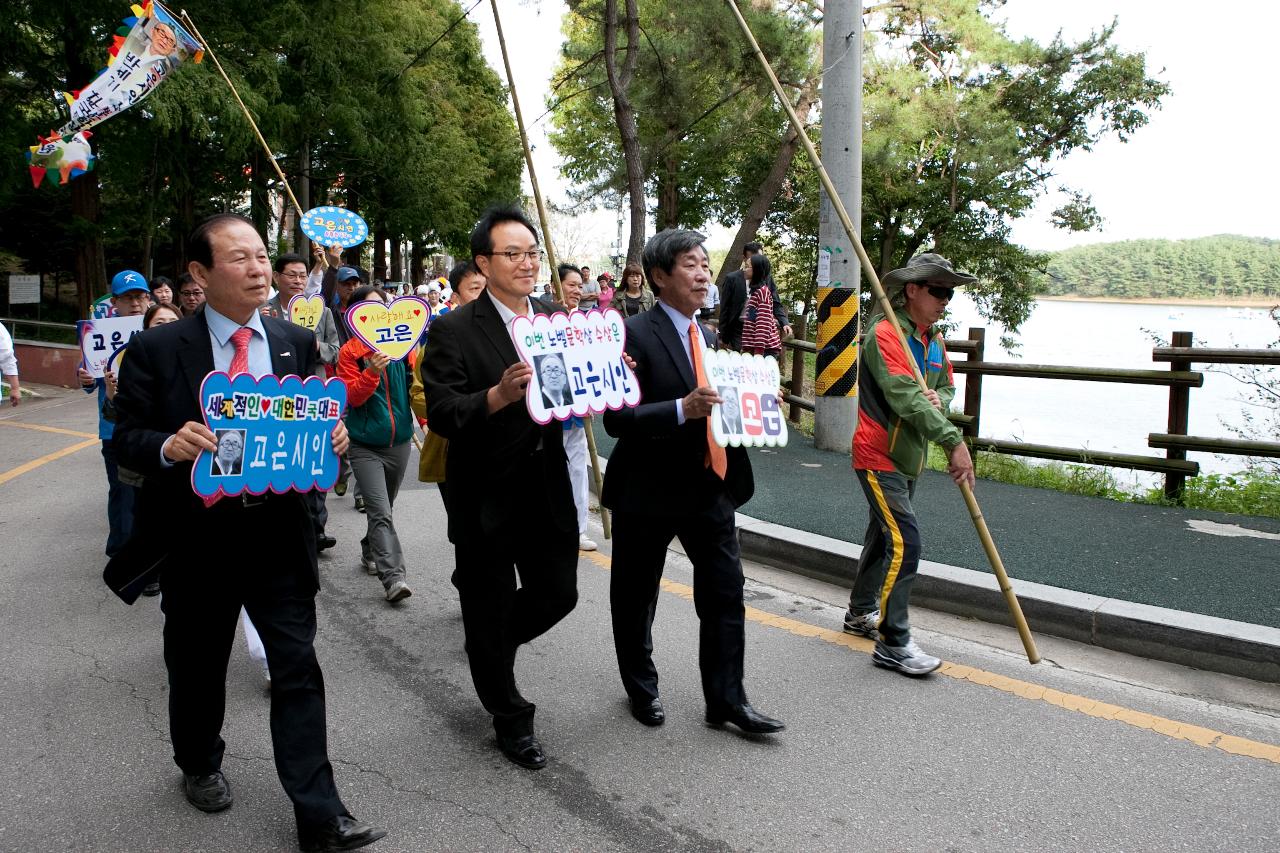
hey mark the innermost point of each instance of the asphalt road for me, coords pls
(1089, 751)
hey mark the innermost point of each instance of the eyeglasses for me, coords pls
(296, 276)
(941, 292)
(516, 257)
(191, 293)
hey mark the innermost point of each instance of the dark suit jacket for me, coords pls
(657, 466)
(159, 392)
(498, 485)
(733, 296)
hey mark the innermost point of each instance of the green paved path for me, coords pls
(1131, 552)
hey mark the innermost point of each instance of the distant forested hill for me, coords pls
(1227, 265)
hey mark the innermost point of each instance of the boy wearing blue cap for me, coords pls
(130, 297)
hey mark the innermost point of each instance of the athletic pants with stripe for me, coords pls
(890, 554)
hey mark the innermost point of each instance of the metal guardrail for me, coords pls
(1179, 379)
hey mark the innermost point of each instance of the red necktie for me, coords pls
(716, 459)
(240, 361)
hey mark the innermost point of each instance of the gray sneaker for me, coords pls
(398, 591)
(908, 659)
(864, 625)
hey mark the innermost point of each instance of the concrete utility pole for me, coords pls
(838, 270)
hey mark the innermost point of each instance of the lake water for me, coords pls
(1107, 416)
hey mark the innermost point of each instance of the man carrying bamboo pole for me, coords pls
(896, 422)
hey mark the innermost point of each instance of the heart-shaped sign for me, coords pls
(392, 329)
(306, 311)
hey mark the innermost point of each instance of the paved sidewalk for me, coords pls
(1144, 554)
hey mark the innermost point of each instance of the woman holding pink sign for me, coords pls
(380, 423)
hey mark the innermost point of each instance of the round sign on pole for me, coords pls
(334, 226)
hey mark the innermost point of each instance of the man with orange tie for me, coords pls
(668, 480)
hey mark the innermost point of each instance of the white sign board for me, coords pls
(24, 290)
(749, 413)
(99, 339)
(577, 364)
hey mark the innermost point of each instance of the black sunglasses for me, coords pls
(941, 292)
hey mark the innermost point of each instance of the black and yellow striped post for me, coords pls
(836, 373)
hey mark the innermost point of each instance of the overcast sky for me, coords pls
(1201, 166)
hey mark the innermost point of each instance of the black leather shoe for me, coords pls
(209, 793)
(341, 832)
(650, 713)
(744, 717)
(523, 750)
(324, 542)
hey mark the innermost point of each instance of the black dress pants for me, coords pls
(710, 539)
(256, 566)
(498, 617)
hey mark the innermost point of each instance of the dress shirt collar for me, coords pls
(504, 312)
(680, 321)
(222, 328)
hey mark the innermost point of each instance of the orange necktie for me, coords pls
(716, 459)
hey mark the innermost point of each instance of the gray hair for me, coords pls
(664, 247)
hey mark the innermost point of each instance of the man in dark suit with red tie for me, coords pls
(666, 480)
(505, 472)
(263, 556)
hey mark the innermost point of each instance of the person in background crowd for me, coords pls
(190, 294)
(381, 424)
(590, 291)
(896, 422)
(161, 290)
(710, 313)
(605, 280)
(345, 282)
(9, 367)
(315, 279)
(668, 479)
(633, 297)
(130, 297)
(501, 467)
(575, 433)
(764, 325)
(290, 277)
(733, 301)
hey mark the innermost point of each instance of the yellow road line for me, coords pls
(43, 428)
(49, 457)
(1198, 735)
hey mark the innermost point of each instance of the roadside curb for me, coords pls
(1191, 639)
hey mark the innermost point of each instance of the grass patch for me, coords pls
(1245, 493)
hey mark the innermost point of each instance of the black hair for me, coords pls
(752, 248)
(761, 270)
(154, 309)
(200, 243)
(482, 234)
(184, 279)
(161, 281)
(291, 258)
(567, 268)
(364, 291)
(664, 247)
(460, 271)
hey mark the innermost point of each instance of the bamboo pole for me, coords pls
(271, 157)
(551, 256)
(975, 512)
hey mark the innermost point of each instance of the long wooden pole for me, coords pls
(975, 512)
(271, 157)
(551, 255)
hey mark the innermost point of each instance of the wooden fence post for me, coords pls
(1179, 409)
(973, 381)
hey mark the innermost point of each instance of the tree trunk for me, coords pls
(415, 263)
(624, 114)
(259, 204)
(86, 196)
(397, 260)
(669, 191)
(380, 253)
(771, 184)
(301, 244)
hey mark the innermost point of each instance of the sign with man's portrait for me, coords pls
(749, 413)
(272, 434)
(577, 363)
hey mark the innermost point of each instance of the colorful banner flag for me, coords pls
(144, 52)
